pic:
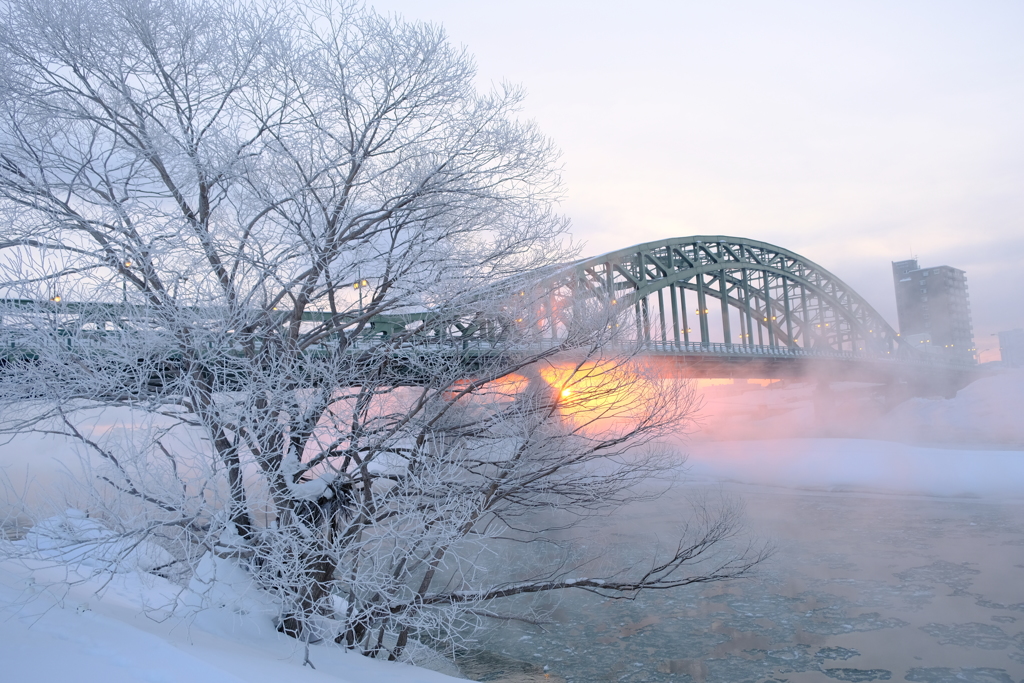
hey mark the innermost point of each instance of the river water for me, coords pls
(862, 587)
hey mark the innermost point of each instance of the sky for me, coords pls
(854, 134)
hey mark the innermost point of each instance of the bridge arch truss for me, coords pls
(703, 291)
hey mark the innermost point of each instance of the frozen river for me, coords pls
(863, 586)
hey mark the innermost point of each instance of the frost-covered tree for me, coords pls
(292, 253)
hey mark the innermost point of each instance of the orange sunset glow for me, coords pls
(594, 394)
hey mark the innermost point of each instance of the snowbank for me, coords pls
(119, 627)
(80, 603)
(73, 538)
(861, 465)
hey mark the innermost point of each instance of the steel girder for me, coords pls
(766, 296)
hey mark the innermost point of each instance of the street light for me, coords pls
(124, 283)
(359, 285)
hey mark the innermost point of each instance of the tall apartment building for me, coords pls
(933, 308)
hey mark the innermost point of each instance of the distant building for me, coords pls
(933, 308)
(1011, 348)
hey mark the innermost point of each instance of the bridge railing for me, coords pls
(752, 350)
(723, 349)
(481, 346)
(478, 346)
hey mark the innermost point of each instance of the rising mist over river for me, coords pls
(899, 536)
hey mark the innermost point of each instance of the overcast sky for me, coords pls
(852, 133)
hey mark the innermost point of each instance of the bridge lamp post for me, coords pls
(360, 285)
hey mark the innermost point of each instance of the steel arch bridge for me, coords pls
(707, 306)
(723, 306)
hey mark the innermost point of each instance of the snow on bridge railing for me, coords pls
(476, 345)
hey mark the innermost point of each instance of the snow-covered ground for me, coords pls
(109, 628)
